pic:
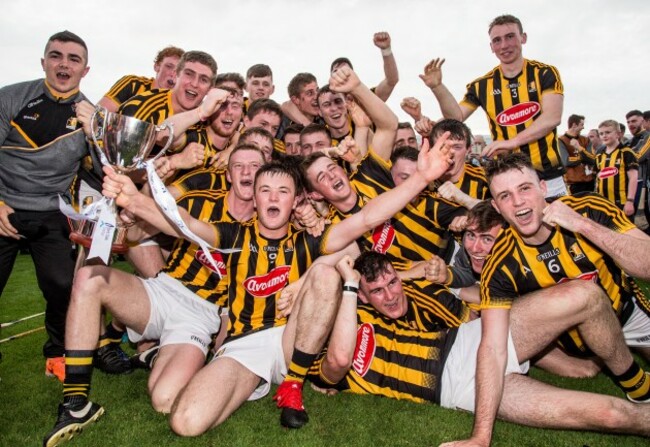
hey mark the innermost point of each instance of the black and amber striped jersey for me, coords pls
(473, 182)
(206, 179)
(258, 269)
(516, 268)
(513, 104)
(127, 87)
(188, 263)
(396, 358)
(612, 178)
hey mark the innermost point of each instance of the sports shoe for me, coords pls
(289, 398)
(70, 423)
(55, 367)
(645, 399)
(112, 360)
(145, 359)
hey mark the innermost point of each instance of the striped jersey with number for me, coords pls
(612, 178)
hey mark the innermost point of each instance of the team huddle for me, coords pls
(342, 250)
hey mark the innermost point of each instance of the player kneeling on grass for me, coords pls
(381, 344)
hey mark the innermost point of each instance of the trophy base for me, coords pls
(82, 234)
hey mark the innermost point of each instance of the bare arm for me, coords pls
(294, 114)
(108, 104)
(346, 81)
(449, 107)
(632, 178)
(432, 163)
(629, 250)
(391, 75)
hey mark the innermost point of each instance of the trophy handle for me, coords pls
(99, 110)
(170, 140)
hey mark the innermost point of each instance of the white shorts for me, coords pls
(555, 187)
(457, 383)
(637, 328)
(260, 352)
(177, 315)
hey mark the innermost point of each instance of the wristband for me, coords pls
(351, 286)
(386, 51)
(630, 200)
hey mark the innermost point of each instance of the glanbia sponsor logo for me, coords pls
(365, 349)
(518, 114)
(610, 171)
(265, 285)
(203, 259)
(383, 237)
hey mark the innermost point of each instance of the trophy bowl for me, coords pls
(124, 142)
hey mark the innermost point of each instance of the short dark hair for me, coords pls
(371, 264)
(67, 36)
(315, 128)
(404, 152)
(485, 216)
(457, 130)
(507, 162)
(263, 105)
(293, 128)
(259, 71)
(306, 163)
(575, 120)
(167, 52)
(646, 115)
(632, 113)
(202, 58)
(276, 168)
(298, 82)
(256, 131)
(404, 125)
(339, 61)
(506, 19)
(231, 77)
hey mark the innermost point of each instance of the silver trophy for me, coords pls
(124, 142)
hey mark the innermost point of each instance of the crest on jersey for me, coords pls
(364, 352)
(269, 284)
(383, 237)
(518, 114)
(576, 252)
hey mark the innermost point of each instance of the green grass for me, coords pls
(28, 402)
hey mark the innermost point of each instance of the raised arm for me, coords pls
(629, 250)
(345, 80)
(449, 107)
(391, 75)
(126, 195)
(432, 163)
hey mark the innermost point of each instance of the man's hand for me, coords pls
(287, 298)
(359, 116)
(215, 98)
(163, 167)
(346, 150)
(84, 111)
(424, 126)
(344, 80)
(628, 209)
(412, 107)
(574, 143)
(458, 224)
(498, 147)
(345, 267)
(432, 76)
(435, 270)
(191, 157)
(6, 229)
(119, 187)
(559, 213)
(381, 40)
(434, 162)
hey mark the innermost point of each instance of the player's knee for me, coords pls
(612, 414)
(162, 399)
(88, 282)
(589, 297)
(185, 422)
(324, 276)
